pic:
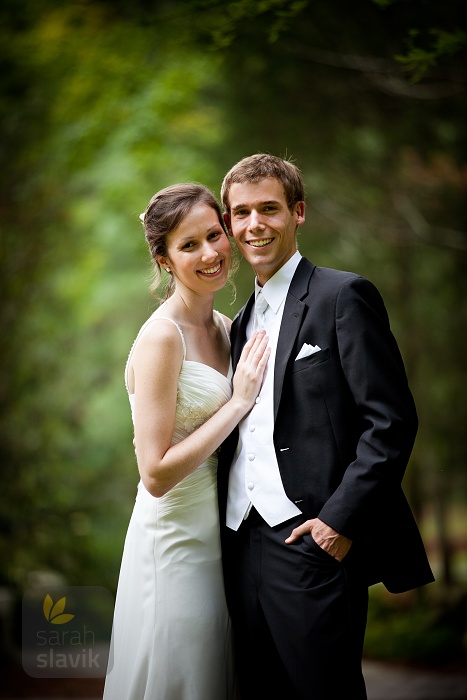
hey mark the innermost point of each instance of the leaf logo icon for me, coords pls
(54, 612)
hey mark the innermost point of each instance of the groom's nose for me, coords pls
(256, 221)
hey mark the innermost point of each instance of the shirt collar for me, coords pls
(276, 288)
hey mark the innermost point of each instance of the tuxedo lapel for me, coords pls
(239, 325)
(290, 325)
(291, 320)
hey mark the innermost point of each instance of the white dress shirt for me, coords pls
(254, 476)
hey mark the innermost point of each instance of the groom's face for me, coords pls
(263, 226)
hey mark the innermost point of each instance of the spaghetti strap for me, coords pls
(166, 318)
(230, 370)
(150, 320)
(223, 323)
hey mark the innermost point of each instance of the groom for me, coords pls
(310, 496)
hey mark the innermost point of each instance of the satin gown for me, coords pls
(171, 637)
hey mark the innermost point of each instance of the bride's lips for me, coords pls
(212, 271)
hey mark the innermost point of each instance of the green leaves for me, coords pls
(419, 60)
(102, 104)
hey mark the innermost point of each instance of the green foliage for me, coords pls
(419, 61)
(415, 632)
(103, 103)
(220, 21)
(122, 112)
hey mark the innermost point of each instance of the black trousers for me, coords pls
(298, 615)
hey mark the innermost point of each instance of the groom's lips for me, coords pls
(260, 243)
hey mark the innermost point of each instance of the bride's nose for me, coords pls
(209, 253)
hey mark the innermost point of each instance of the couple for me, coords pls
(310, 442)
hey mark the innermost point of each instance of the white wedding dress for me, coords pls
(171, 637)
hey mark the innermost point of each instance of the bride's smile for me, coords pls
(199, 249)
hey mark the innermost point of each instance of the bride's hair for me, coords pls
(164, 213)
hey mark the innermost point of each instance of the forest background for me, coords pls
(102, 104)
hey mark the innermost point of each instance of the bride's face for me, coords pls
(199, 252)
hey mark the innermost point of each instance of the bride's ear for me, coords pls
(163, 262)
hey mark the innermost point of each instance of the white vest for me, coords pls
(254, 475)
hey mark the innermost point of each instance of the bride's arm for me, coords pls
(157, 360)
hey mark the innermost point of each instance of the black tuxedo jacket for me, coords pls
(344, 421)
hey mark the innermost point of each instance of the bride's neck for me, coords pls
(194, 310)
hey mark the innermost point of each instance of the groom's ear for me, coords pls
(227, 223)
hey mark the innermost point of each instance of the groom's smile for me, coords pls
(263, 224)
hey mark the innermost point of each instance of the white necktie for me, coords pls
(261, 306)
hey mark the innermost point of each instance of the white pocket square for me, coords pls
(307, 350)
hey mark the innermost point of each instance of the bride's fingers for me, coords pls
(253, 365)
(258, 364)
(263, 360)
(252, 345)
(259, 351)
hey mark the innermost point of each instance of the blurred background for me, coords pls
(102, 104)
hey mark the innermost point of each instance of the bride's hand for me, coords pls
(250, 369)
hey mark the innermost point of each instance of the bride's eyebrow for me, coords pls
(191, 237)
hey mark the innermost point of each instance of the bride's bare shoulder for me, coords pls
(160, 337)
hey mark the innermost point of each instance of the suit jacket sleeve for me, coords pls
(374, 372)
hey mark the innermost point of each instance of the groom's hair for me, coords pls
(260, 166)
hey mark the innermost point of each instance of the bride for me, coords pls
(171, 637)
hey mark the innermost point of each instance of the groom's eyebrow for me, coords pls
(255, 204)
(239, 206)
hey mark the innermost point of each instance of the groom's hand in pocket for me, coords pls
(325, 537)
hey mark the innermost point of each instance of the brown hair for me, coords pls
(259, 166)
(164, 213)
